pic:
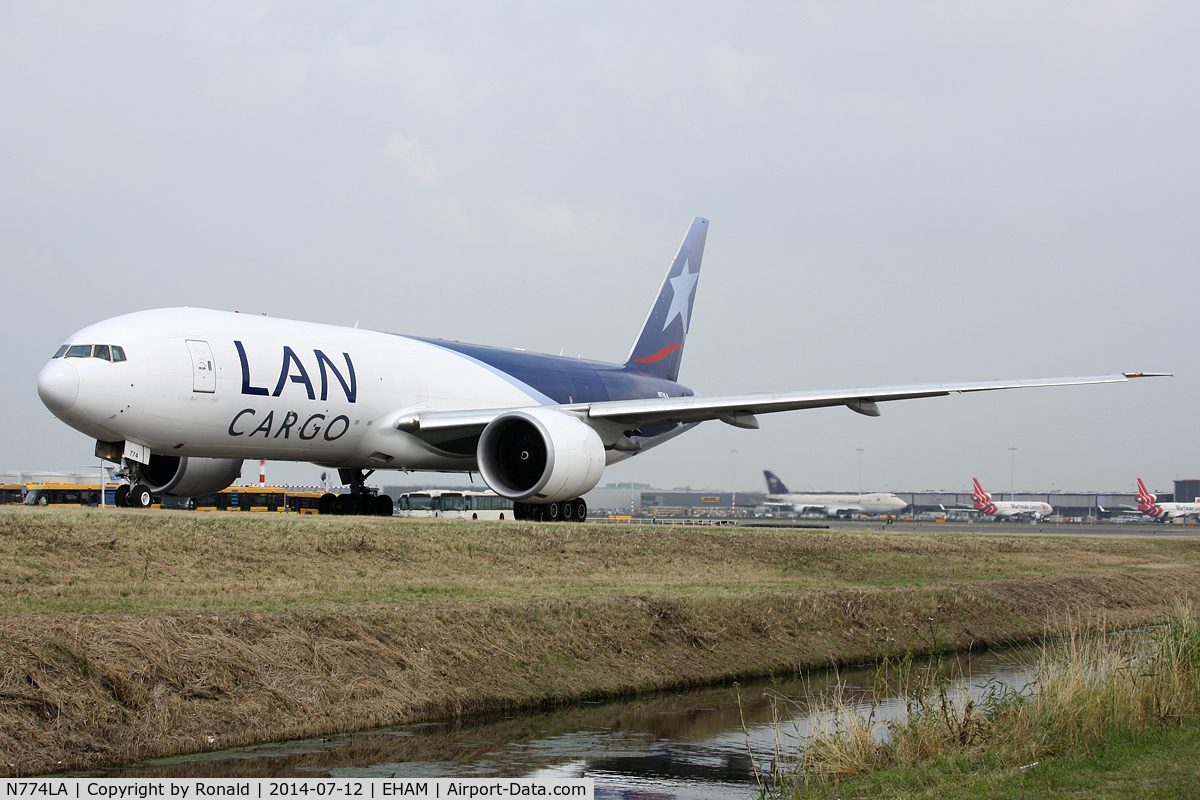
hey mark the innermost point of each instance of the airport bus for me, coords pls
(243, 498)
(309, 502)
(13, 494)
(277, 499)
(454, 505)
(67, 494)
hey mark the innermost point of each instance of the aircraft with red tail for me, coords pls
(1163, 512)
(1002, 509)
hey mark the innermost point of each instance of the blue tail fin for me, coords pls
(774, 485)
(658, 350)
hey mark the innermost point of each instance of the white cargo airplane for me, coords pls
(1002, 509)
(179, 397)
(833, 505)
(1163, 512)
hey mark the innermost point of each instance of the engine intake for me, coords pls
(540, 456)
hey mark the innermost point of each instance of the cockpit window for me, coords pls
(109, 352)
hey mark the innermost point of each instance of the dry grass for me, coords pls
(127, 635)
(112, 560)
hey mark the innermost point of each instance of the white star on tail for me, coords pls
(681, 293)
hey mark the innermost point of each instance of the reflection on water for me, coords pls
(701, 743)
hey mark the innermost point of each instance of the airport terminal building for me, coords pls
(646, 500)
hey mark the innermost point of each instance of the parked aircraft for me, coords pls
(832, 505)
(179, 397)
(1007, 509)
(1163, 512)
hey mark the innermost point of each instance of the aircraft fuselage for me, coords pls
(214, 384)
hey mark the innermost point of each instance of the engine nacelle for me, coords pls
(179, 476)
(538, 455)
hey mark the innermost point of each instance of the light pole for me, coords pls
(1012, 468)
(102, 481)
(733, 480)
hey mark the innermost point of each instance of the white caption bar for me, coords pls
(301, 789)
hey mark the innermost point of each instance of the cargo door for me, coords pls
(204, 375)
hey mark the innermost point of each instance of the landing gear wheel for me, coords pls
(384, 506)
(121, 496)
(327, 504)
(580, 510)
(568, 511)
(553, 512)
(349, 505)
(140, 497)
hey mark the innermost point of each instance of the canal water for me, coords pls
(716, 742)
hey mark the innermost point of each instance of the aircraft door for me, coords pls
(204, 375)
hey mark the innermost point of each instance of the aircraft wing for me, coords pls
(739, 410)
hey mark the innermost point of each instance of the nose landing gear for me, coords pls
(134, 494)
(139, 496)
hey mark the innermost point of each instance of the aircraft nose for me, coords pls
(58, 385)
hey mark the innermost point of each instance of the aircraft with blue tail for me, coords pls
(871, 504)
(179, 397)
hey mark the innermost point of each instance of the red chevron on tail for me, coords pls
(1146, 501)
(983, 500)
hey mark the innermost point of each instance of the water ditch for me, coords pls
(717, 742)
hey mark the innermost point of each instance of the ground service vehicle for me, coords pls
(243, 498)
(13, 494)
(454, 505)
(67, 494)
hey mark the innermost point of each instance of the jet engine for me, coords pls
(540, 456)
(179, 476)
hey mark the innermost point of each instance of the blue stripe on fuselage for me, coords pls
(555, 380)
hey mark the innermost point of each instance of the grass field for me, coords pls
(132, 634)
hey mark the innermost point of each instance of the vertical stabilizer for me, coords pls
(774, 485)
(983, 500)
(1145, 500)
(658, 350)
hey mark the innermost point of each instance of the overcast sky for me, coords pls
(898, 192)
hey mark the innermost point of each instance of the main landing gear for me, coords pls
(565, 511)
(360, 501)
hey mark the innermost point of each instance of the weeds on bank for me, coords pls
(1087, 692)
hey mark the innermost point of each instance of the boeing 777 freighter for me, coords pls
(873, 504)
(179, 397)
